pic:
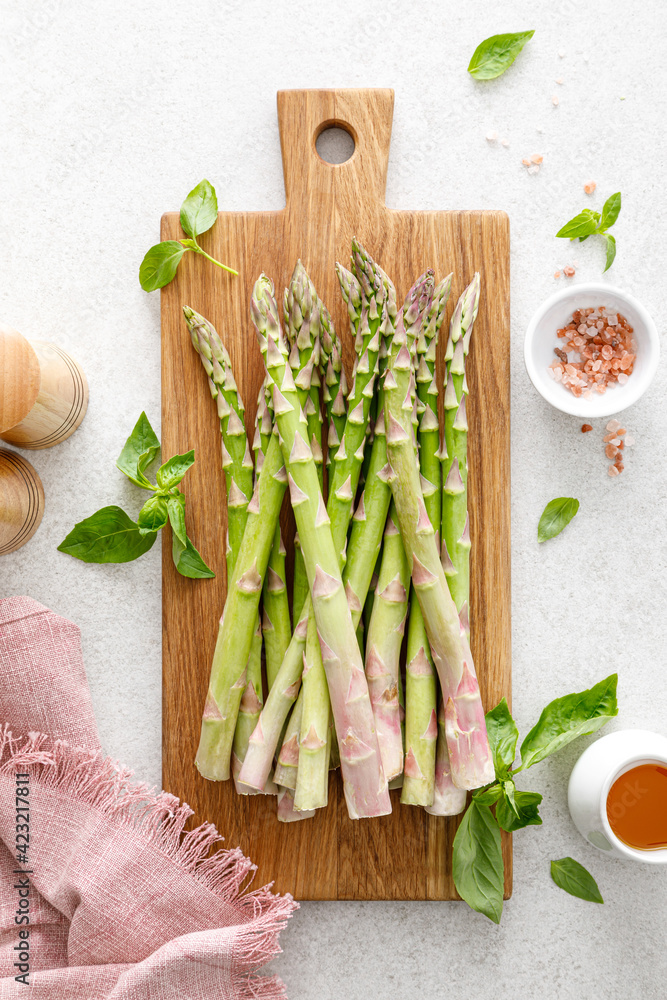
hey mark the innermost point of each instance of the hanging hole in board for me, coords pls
(334, 144)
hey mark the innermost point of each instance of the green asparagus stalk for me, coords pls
(363, 779)
(236, 458)
(238, 467)
(448, 800)
(312, 778)
(421, 727)
(228, 674)
(287, 761)
(383, 648)
(286, 810)
(250, 707)
(420, 681)
(276, 626)
(308, 322)
(454, 454)
(466, 728)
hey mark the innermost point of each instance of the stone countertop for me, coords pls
(110, 115)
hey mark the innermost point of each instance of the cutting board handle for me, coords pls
(303, 114)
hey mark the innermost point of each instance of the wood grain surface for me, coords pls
(406, 855)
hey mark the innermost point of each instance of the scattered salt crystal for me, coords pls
(534, 169)
(504, 142)
(613, 425)
(560, 81)
(586, 427)
(620, 431)
(568, 271)
(491, 136)
(556, 274)
(610, 450)
(536, 158)
(590, 187)
(555, 101)
(561, 53)
(526, 161)
(612, 471)
(540, 129)
(629, 440)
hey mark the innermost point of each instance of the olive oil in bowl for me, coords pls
(637, 807)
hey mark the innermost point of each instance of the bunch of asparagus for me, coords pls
(381, 554)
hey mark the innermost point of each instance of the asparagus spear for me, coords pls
(465, 724)
(238, 466)
(421, 728)
(312, 777)
(288, 755)
(363, 780)
(420, 682)
(448, 800)
(235, 634)
(286, 810)
(455, 523)
(301, 317)
(236, 458)
(308, 323)
(383, 647)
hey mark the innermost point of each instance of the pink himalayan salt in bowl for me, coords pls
(555, 313)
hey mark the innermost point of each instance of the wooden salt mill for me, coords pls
(43, 399)
(43, 392)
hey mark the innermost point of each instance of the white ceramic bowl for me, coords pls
(541, 339)
(593, 775)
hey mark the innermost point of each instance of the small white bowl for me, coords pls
(593, 775)
(541, 339)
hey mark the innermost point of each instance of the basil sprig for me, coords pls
(477, 858)
(556, 515)
(590, 223)
(495, 54)
(199, 212)
(111, 536)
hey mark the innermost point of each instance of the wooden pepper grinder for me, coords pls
(43, 399)
(21, 501)
(43, 392)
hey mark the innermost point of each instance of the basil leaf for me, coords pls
(503, 735)
(611, 251)
(610, 211)
(518, 809)
(160, 264)
(495, 54)
(107, 536)
(171, 473)
(176, 511)
(153, 515)
(564, 719)
(478, 862)
(188, 561)
(199, 210)
(581, 225)
(556, 515)
(140, 449)
(569, 875)
(488, 796)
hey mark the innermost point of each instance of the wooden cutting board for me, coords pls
(406, 855)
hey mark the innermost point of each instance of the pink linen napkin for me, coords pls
(122, 904)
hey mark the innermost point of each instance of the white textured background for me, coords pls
(110, 113)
